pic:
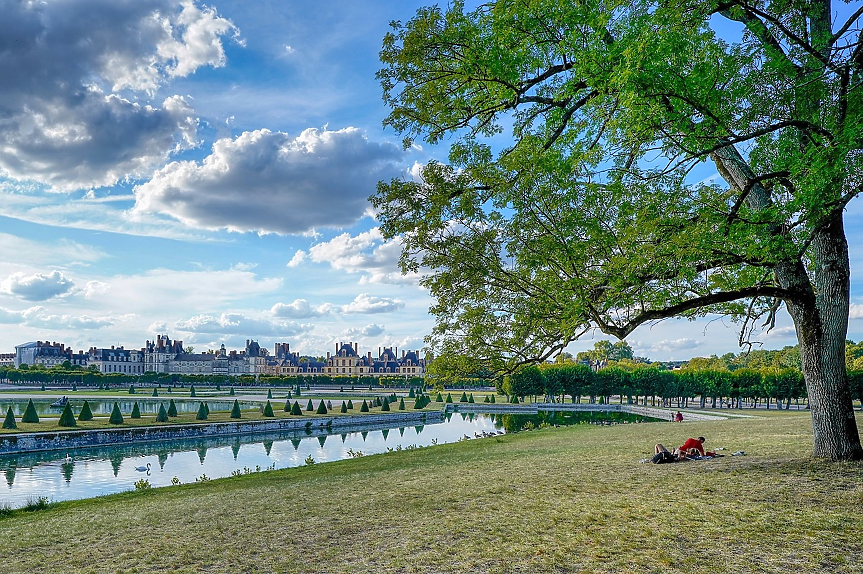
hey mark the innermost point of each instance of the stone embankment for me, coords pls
(34, 442)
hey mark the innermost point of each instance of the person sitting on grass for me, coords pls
(692, 443)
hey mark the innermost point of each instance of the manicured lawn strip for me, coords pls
(566, 499)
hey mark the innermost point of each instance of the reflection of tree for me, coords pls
(163, 458)
(419, 428)
(296, 443)
(116, 459)
(385, 433)
(202, 453)
(10, 476)
(66, 468)
(364, 435)
(235, 448)
(401, 431)
(344, 436)
(268, 446)
(322, 439)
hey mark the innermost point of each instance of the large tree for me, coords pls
(571, 199)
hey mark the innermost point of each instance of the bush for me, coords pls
(287, 406)
(322, 408)
(232, 393)
(514, 400)
(402, 404)
(86, 413)
(116, 416)
(439, 398)
(67, 419)
(268, 410)
(344, 408)
(296, 410)
(42, 388)
(350, 405)
(235, 412)
(192, 393)
(470, 398)
(463, 398)
(485, 400)
(74, 387)
(9, 421)
(162, 417)
(172, 409)
(365, 407)
(411, 394)
(492, 398)
(310, 407)
(448, 398)
(202, 413)
(155, 392)
(136, 411)
(269, 393)
(207, 408)
(30, 415)
(385, 406)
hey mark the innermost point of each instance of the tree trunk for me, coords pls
(822, 327)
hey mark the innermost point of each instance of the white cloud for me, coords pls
(37, 287)
(265, 181)
(297, 259)
(667, 345)
(366, 253)
(370, 330)
(299, 309)
(365, 303)
(10, 317)
(239, 324)
(855, 311)
(38, 318)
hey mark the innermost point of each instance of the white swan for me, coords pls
(143, 468)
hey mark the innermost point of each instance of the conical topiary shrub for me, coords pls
(470, 398)
(162, 416)
(310, 407)
(232, 393)
(385, 406)
(131, 389)
(344, 408)
(30, 415)
(492, 398)
(322, 408)
(172, 409)
(207, 408)
(514, 400)
(67, 419)
(439, 398)
(192, 393)
(296, 410)
(463, 398)
(136, 411)
(268, 410)
(289, 395)
(9, 421)
(42, 388)
(378, 401)
(365, 407)
(235, 412)
(411, 394)
(287, 406)
(86, 413)
(350, 405)
(485, 400)
(269, 393)
(202, 413)
(448, 398)
(116, 416)
(74, 387)
(402, 404)
(155, 392)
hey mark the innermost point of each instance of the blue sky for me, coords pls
(202, 171)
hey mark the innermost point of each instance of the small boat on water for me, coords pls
(59, 403)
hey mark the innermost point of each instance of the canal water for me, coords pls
(106, 470)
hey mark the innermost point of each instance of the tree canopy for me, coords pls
(574, 197)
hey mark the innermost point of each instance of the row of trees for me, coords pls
(651, 385)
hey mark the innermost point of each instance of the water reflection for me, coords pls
(103, 470)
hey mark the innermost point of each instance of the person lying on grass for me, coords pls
(662, 455)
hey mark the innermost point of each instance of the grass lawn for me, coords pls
(570, 499)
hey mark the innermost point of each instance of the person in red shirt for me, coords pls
(694, 443)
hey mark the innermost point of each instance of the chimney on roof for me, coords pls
(356, 347)
(403, 353)
(379, 352)
(112, 347)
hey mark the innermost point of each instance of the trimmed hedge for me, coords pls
(310, 407)
(162, 417)
(172, 409)
(136, 411)
(268, 410)
(235, 412)
(9, 421)
(322, 408)
(202, 413)
(30, 414)
(344, 408)
(116, 416)
(86, 413)
(365, 407)
(67, 419)
(296, 410)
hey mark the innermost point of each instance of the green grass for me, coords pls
(570, 499)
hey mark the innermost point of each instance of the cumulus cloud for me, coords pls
(9, 317)
(299, 309)
(366, 253)
(370, 330)
(37, 317)
(69, 118)
(668, 345)
(365, 303)
(37, 287)
(239, 324)
(266, 181)
(855, 311)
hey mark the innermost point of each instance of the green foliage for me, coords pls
(67, 418)
(269, 393)
(192, 393)
(365, 407)
(402, 404)
(232, 393)
(485, 400)
(448, 398)
(116, 416)
(385, 406)
(136, 411)
(203, 413)
(439, 398)
(296, 410)
(172, 408)
(268, 410)
(143, 484)
(411, 394)
(235, 410)
(322, 408)
(162, 416)
(492, 398)
(344, 408)
(310, 407)
(155, 392)
(463, 398)
(9, 421)
(287, 406)
(350, 405)
(86, 413)
(30, 415)
(470, 398)
(131, 389)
